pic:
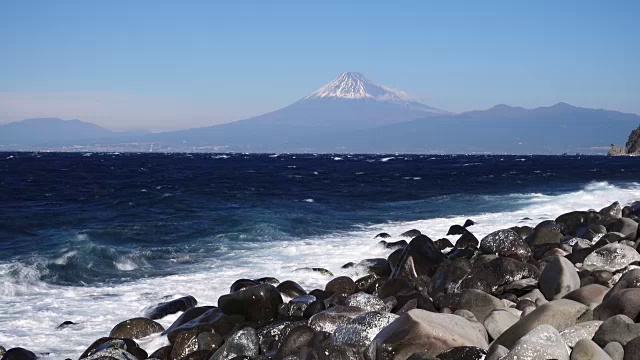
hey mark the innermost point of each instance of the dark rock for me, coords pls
(395, 257)
(164, 353)
(170, 307)
(396, 244)
(623, 225)
(322, 271)
(314, 308)
(558, 278)
(447, 277)
(211, 320)
(612, 211)
(363, 283)
(382, 236)
(366, 302)
(560, 314)
(242, 284)
(498, 273)
(506, 243)
(618, 328)
(243, 343)
(468, 223)
(423, 331)
(479, 303)
(419, 258)
(393, 287)
(632, 349)
(267, 280)
(378, 267)
(297, 338)
(602, 277)
(189, 341)
(65, 325)
(290, 289)
(259, 303)
(625, 302)
(202, 355)
(106, 345)
(592, 232)
(463, 352)
(466, 239)
(348, 265)
(545, 236)
(136, 328)
(570, 222)
(187, 316)
(442, 244)
(341, 284)
(270, 336)
(421, 356)
(320, 294)
(18, 353)
(523, 231)
(298, 305)
(411, 233)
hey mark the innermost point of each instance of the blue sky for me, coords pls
(165, 65)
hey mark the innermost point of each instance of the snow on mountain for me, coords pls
(354, 85)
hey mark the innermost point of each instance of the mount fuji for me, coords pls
(351, 101)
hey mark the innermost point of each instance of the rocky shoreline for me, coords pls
(565, 289)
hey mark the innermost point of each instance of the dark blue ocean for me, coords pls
(109, 234)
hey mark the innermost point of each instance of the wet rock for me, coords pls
(267, 280)
(396, 244)
(570, 222)
(411, 233)
(625, 302)
(382, 235)
(506, 243)
(448, 277)
(298, 305)
(463, 352)
(242, 284)
(498, 321)
(136, 328)
(589, 294)
(2, 351)
(259, 303)
(545, 236)
(116, 348)
(424, 331)
(497, 352)
(611, 257)
(348, 265)
(366, 302)
(378, 266)
(331, 318)
(421, 356)
(612, 211)
(65, 325)
(18, 353)
(297, 338)
(498, 273)
(623, 225)
(170, 307)
(187, 342)
(442, 244)
(558, 278)
(617, 328)
(586, 349)
(341, 284)
(584, 330)
(290, 289)
(361, 330)
(212, 319)
(321, 271)
(164, 353)
(561, 314)
(543, 342)
(419, 258)
(243, 343)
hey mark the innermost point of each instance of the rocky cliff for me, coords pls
(631, 148)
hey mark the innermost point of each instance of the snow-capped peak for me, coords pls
(354, 85)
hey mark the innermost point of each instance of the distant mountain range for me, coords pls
(353, 114)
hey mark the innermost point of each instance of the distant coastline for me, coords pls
(631, 148)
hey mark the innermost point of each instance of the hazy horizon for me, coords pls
(156, 66)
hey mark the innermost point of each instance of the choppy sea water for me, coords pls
(97, 238)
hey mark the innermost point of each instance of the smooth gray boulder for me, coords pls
(615, 350)
(623, 225)
(499, 321)
(617, 328)
(584, 330)
(588, 294)
(586, 349)
(479, 303)
(561, 314)
(542, 343)
(421, 330)
(558, 278)
(626, 302)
